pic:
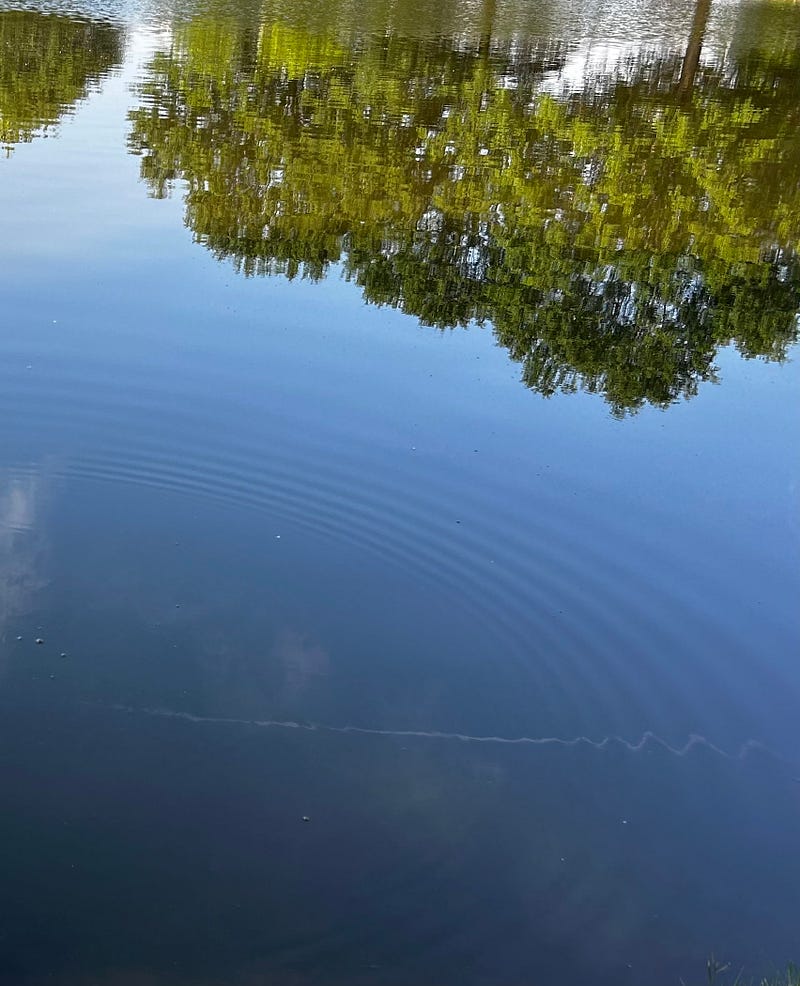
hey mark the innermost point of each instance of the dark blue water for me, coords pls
(360, 660)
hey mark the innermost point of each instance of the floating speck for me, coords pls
(63, 653)
(306, 818)
(19, 638)
(39, 640)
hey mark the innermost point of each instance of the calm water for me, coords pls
(398, 492)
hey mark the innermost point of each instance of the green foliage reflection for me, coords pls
(47, 63)
(614, 236)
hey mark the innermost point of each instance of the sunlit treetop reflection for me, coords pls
(614, 235)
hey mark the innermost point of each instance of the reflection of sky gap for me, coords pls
(18, 504)
(21, 543)
(589, 65)
(649, 24)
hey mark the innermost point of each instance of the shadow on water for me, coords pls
(616, 221)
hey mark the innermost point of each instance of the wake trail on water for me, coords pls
(647, 739)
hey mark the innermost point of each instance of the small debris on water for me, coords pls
(39, 640)
(52, 676)
(19, 638)
(624, 821)
(63, 653)
(306, 818)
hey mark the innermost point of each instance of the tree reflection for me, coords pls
(48, 63)
(614, 236)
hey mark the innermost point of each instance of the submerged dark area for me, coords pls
(398, 493)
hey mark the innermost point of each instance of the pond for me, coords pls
(399, 525)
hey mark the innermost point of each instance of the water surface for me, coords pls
(398, 468)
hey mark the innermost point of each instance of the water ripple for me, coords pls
(646, 740)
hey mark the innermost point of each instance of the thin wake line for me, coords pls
(647, 738)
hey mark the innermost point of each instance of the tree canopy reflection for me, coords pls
(614, 235)
(47, 63)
